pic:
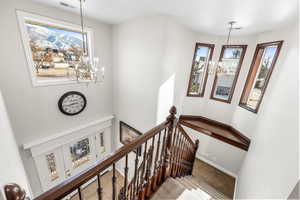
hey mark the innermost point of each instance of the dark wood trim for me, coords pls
(211, 46)
(130, 127)
(139, 133)
(258, 47)
(244, 47)
(245, 141)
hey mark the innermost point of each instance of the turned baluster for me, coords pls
(172, 153)
(142, 178)
(155, 163)
(185, 154)
(166, 166)
(176, 152)
(79, 193)
(149, 171)
(114, 179)
(179, 155)
(194, 155)
(161, 160)
(99, 189)
(135, 173)
(123, 191)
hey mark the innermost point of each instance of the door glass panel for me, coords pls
(102, 147)
(80, 152)
(226, 76)
(263, 71)
(51, 163)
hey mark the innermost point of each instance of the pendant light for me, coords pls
(87, 68)
(219, 66)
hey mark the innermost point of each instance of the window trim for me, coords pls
(22, 17)
(201, 94)
(258, 47)
(244, 47)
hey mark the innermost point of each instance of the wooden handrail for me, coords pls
(72, 183)
(173, 154)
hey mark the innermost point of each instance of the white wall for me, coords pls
(170, 47)
(221, 155)
(153, 57)
(12, 171)
(270, 169)
(138, 50)
(33, 111)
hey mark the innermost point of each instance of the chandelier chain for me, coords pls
(82, 28)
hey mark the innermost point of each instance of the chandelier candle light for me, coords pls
(86, 70)
(219, 67)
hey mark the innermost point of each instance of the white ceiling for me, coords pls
(209, 16)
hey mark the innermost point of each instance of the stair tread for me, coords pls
(208, 188)
(187, 187)
(171, 189)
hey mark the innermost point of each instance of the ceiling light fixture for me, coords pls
(220, 67)
(87, 68)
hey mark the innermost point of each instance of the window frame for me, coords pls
(244, 47)
(22, 18)
(252, 68)
(212, 47)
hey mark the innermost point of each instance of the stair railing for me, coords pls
(168, 151)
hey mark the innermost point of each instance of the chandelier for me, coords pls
(219, 66)
(87, 67)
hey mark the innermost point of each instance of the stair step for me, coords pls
(170, 189)
(190, 195)
(187, 188)
(185, 183)
(188, 183)
(209, 189)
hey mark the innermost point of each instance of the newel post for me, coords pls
(167, 165)
(14, 192)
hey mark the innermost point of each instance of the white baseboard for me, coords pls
(216, 166)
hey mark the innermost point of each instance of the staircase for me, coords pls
(187, 188)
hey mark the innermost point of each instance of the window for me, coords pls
(198, 77)
(224, 83)
(53, 48)
(263, 62)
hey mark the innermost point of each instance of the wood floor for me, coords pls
(214, 177)
(202, 172)
(90, 192)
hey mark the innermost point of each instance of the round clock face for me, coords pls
(72, 103)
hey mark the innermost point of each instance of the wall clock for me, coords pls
(72, 103)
